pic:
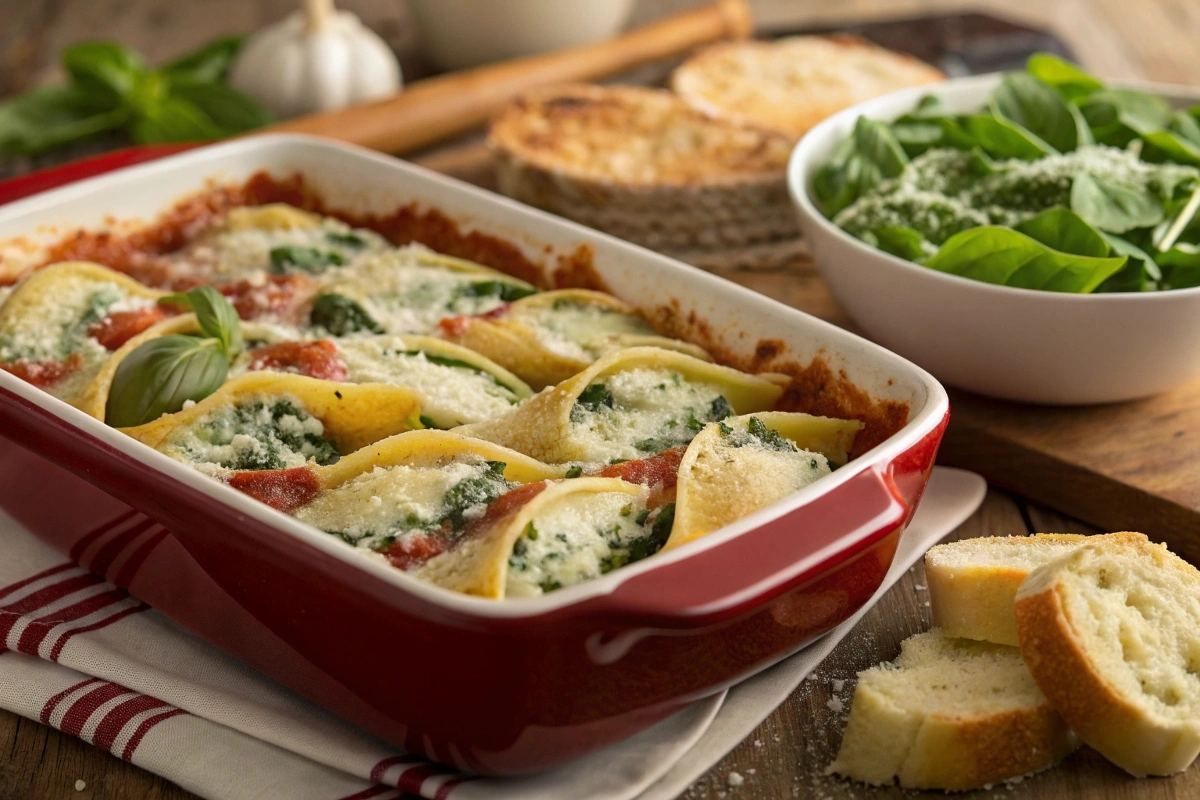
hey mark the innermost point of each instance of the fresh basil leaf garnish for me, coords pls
(216, 316)
(160, 375)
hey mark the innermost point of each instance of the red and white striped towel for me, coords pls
(88, 658)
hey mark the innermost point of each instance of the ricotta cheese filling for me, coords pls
(641, 412)
(453, 391)
(581, 537)
(229, 255)
(256, 433)
(582, 330)
(387, 505)
(401, 295)
(763, 450)
(58, 329)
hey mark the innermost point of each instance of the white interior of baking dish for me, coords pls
(360, 181)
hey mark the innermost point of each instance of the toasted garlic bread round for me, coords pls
(643, 165)
(973, 582)
(949, 714)
(789, 85)
(1111, 633)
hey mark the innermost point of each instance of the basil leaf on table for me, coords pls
(209, 64)
(216, 316)
(173, 120)
(232, 112)
(161, 375)
(1039, 109)
(104, 67)
(1004, 138)
(1070, 81)
(1006, 257)
(1063, 230)
(53, 116)
(1114, 207)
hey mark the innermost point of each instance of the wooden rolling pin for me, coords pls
(433, 109)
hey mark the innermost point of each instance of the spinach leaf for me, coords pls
(1173, 147)
(1118, 115)
(1181, 266)
(1114, 207)
(1023, 99)
(1140, 273)
(899, 240)
(593, 398)
(1003, 138)
(293, 259)
(770, 438)
(341, 316)
(1065, 231)
(1186, 127)
(479, 490)
(1007, 257)
(1071, 82)
(868, 156)
(351, 240)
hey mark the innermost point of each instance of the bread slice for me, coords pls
(791, 84)
(643, 165)
(1111, 634)
(949, 714)
(973, 582)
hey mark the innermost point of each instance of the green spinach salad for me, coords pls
(1059, 183)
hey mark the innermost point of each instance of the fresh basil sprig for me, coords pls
(163, 374)
(110, 88)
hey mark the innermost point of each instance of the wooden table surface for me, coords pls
(786, 756)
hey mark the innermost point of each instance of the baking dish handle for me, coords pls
(723, 581)
(23, 186)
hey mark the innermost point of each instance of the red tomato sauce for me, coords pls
(117, 329)
(282, 489)
(317, 359)
(281, 297)
(43, 374)
(659, 472)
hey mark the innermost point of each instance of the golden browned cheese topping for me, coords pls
(790, 85)
(633, 136)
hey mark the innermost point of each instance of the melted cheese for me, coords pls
(653, 410)
(265, 432)
(576, 539)
(375, 508)
(405, 296)
(451, 395)
(581, 330)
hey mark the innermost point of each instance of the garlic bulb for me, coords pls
(318, 59)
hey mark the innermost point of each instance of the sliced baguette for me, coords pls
(949, 714)
(1111, 634)
(643, 165)
(791, 84)
(973, 582)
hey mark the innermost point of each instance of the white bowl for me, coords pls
(1015, 344)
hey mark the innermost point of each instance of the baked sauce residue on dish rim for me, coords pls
(815, 388)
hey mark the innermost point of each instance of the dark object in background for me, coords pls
(957, 44)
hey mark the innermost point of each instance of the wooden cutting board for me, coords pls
(1132, 466)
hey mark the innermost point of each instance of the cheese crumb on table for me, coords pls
(80, 785)
(736, 779)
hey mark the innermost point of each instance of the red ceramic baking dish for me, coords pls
(493, 687)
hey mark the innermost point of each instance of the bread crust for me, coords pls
(642, 165)
(1124, 734)
(789, 85)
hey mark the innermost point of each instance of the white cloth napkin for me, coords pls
(89, 659)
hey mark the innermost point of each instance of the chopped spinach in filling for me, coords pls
(341, 316)
(642, 412)
(256, 435)
(389, 504)
(296, 259)
(582, 537)
(757, 433)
